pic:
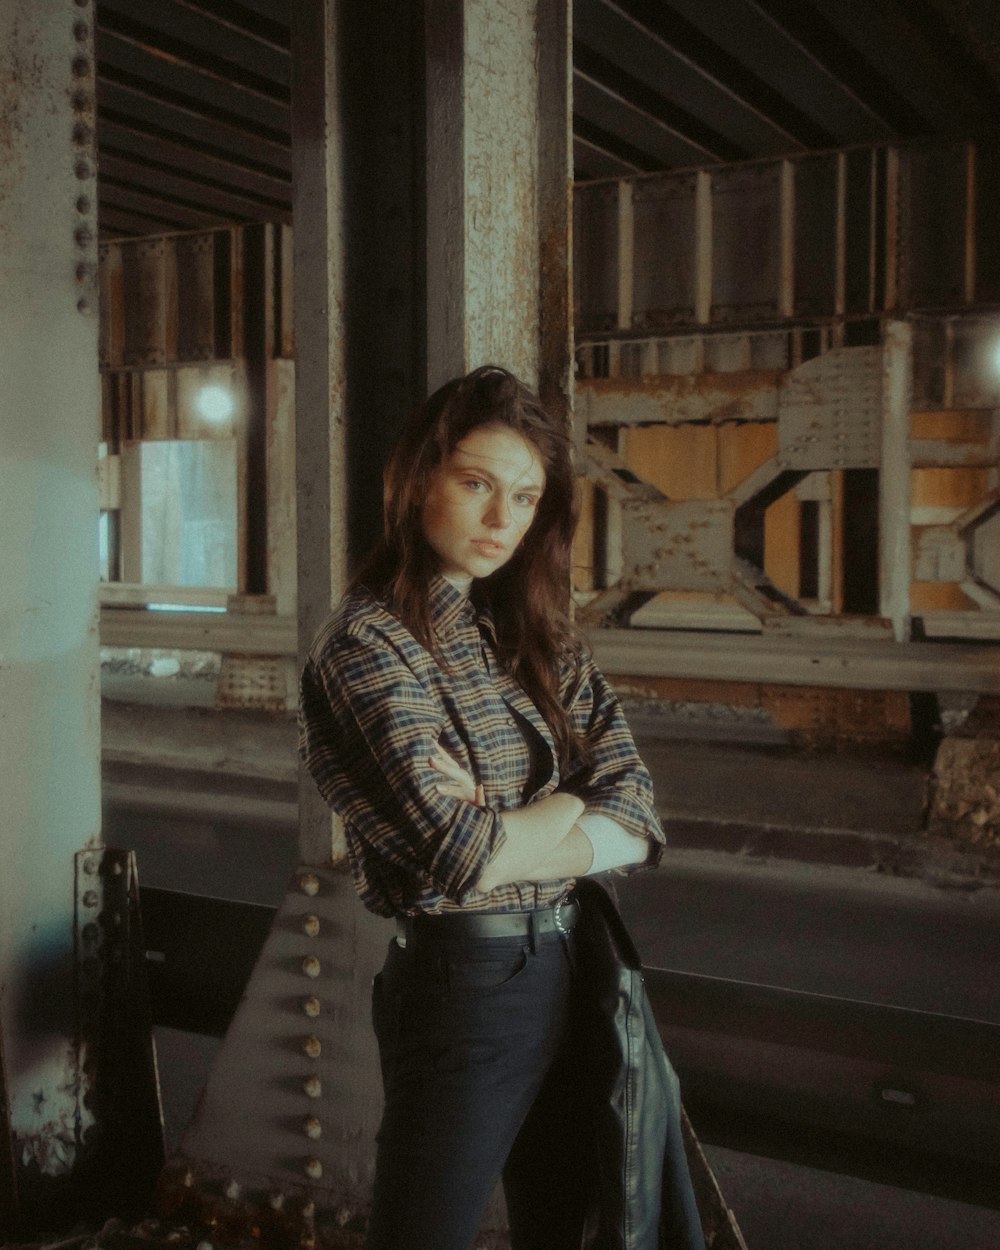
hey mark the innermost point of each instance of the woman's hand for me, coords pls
(454, 780)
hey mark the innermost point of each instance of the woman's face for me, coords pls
(482, 500)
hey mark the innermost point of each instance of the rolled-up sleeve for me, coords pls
(368, 728)
(613, 780)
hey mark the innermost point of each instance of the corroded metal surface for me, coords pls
(829, 413)
(747, 395)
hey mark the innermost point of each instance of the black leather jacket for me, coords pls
(643, 1198)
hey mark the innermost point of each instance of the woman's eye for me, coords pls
(526, 501)
(475, 484)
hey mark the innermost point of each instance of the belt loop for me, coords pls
(533, 932)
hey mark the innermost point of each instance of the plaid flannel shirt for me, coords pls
(375, 703)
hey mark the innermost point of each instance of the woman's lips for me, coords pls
(487, 547)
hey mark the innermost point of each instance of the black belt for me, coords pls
(470, 925)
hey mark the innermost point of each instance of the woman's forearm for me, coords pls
(534, 836)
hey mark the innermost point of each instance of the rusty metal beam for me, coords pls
(727, 74)
(747, 395)
(175, 122)
(174, 212)
(149, 178)
(690, 131)
(118, 133)
(260, 60)
(129, 61)
(601, 140)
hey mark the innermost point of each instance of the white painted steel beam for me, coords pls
(49, 697)
(832, 656)
(894, 477)
(821, 661)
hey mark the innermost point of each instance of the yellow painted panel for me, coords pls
(742, 449)
(938, 597)
(952, 488)
(781, 543)
(954, 426)
(678, 460)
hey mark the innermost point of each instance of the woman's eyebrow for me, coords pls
(476, 462)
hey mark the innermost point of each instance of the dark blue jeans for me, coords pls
(481, 1072)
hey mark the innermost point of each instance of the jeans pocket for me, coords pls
(481, 972)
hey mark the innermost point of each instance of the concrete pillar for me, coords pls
(49, 667)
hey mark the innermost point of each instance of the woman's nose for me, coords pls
(498, 515)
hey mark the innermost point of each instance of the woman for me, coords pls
(481, 764)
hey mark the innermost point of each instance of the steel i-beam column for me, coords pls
(49, 695)
(284, 1134)
(498, 190)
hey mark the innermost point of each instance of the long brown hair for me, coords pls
(528, 596)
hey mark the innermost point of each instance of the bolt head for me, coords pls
(309, 883)
(314, 1169)
(312, 1007)
(312, 1047)
(311, 966)
(312, 1127)
(310, 926)
(312, 1087)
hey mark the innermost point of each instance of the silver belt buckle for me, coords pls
(557, 918)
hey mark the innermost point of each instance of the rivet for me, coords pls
(90, 898)
(91, 932)
(82, 170)
(90, 866)
(81, 31)
(314, 1169)
(312, 1007)
(309, 883)
(233, 1190)
(313, 1047)
(81, 67)
(313, 1087)
(188, 1180)
(312, 1127)
(82, 133)
(277, 1200)
(309, 1210)
(80, 101)
(311, 966)
(116, 869)
(83, 272)
(310, 926)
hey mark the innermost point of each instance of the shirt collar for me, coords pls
(448, 605)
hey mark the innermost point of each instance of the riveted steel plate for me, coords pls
(830, 411)
(291, 1106)
(686, 545)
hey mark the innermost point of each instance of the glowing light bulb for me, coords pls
(215, 404)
